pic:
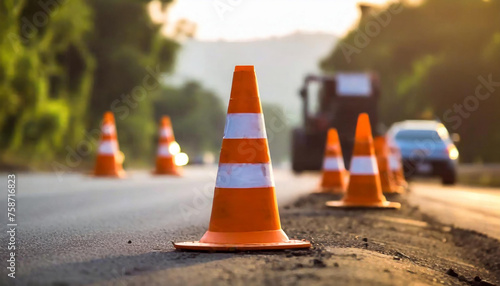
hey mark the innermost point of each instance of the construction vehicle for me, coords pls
(341, 98)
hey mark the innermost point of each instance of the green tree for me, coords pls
(45, 78)
(63, 63)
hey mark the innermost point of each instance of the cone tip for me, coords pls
(109, 117)
(244, 91)
(165, 120)
(244, 68)
(363, 129)
(333, 136)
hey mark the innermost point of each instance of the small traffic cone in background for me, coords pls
(364, 189)
(387, 179)
(396, 166)
(109, 158)
(244, 211)
(167, 149)
(334, 177)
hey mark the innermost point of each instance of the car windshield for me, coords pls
(412, 135)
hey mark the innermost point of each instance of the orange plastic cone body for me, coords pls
(244, 211)
(109, 158)
(333, 179)
(364, 189)
(165, 160)
(396, 166)
(387, 179)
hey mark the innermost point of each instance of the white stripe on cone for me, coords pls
(239, 176)
(163, 151)
(364, 165)
(108, 129)
(165, 133)
(393, 162)
(333, 164)
(244, 125)
(108, 147)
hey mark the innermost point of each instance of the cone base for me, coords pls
(229, 247)
(384, 205)
(405, 186)
(329, 191)
(118, 175)
(397, 190)
(162, 173)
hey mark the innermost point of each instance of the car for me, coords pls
(426, 149)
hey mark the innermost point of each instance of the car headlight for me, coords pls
(453, 153)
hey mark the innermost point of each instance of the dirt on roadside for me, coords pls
(350, 247)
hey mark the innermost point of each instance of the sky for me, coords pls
(244, 20)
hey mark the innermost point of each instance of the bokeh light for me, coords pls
(181, 159)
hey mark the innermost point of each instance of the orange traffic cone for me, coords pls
(109, 158)
(396, 166)
(364, 188)
(244, 211)
(334, 178)
(387, 179)
(165, 160)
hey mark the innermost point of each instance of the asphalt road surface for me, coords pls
(466, 207)
(76, 219)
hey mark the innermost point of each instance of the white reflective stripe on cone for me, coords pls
(364, 165)
(244, 125)
(108, 147)
(333, 164)
(393, 162)
(240, 176)
(165, 132)
(108, 129)
(163, 151)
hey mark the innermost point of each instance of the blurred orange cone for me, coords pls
(396, 166)
(334, 178)
(167, 149)
(244, 211)
(364, 188)
(387, 179)
(109, 158)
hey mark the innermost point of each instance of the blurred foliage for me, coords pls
(64, 63)
(278, 132)
(430, 58)
(45, 77)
